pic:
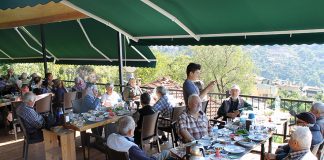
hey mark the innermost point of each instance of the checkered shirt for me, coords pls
(31, 118)
(296, 155)
(196, 127)
(165, 107)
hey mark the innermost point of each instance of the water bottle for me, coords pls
(277, 104)
(60, 116)
(215, 131)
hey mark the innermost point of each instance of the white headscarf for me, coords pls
(90, 90)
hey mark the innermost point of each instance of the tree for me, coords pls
(227, 65)
(167, 66)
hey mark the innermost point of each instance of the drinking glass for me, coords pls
(252, 130)
(229, 121)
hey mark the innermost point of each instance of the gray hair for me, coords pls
(24, 75)
(29, 97)
(162, 90)
(303, 136)
(190, 98)
(319, 108)
(124, 124)
(111, 85)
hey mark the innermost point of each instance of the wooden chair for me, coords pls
(27, 139)
(112, 154)
(68, 98)
(44, 105)
(176, 111)
(204, 105)
(14, 106)
(149, 130)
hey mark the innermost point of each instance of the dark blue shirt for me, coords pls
(189, 88)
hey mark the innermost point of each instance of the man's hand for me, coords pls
(270, 156)
(236, 113)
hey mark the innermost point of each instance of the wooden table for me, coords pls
(66, 151)
(85, 127)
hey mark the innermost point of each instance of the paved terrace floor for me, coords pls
(12, 150)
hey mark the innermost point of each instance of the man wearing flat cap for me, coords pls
(305, 119)
(232, 106)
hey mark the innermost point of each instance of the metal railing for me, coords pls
(216, 99)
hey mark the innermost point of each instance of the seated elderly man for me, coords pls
(32, 120)
(233, 106)
(122, 141)
(193, 123)
(305, 119)
(318, 110)
(300, 143)
(138, 116)
(165, 106)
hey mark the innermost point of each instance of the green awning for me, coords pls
(213, 21)
(208, 22)
(67, 44)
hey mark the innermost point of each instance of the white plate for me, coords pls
(234, 149)
(246, 143)
(204, 142)
(97, 119)
(258, 137)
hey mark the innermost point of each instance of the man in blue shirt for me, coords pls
(32, 120)
(189, 87)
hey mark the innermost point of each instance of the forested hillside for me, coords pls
(299, 63)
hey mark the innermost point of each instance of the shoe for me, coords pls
(11, 132)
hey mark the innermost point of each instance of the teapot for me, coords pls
(195, 151)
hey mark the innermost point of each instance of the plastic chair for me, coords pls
(44, 105)
(112, 154)
(68, 98)
(204, 106)
(27, 139)
(315, 148)
(176, 111)
(149, 130)
(76, 105)
(14, 106)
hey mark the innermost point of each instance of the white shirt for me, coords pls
(112, 99)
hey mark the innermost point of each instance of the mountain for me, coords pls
(297, 63)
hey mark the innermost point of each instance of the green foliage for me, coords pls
(319, 97)
(167, 66)
(227, 65)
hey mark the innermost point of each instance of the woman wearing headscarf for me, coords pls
(79, 84)
(91, 100)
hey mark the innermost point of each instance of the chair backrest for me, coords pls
(177, 112)
(149, 126)
(68, 98)
(113, 154)
(23, 128)
(110, 128)
(77, 105)
(204, 105)
(84, 93)
(316, 147)
(174, 133)
(44, 105)
(14, 106)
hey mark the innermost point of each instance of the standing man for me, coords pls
(189, 87)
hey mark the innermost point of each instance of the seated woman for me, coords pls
(79, 85)
(37, 86)
(132, 92)
(305, 119)
(92, 102)
(122, 141)
(110, 98)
